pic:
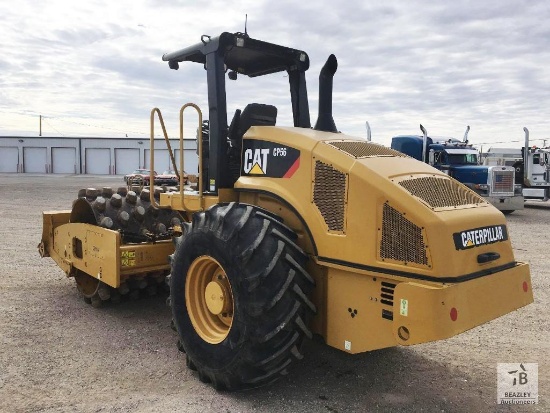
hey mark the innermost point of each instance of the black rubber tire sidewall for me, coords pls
(198, 244)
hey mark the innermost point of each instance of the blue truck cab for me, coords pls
(460, 160)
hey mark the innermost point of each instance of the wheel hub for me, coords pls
(217, 297)
(209, 299)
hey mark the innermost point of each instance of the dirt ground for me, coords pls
(58, 354)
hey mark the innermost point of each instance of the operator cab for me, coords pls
(238, 54)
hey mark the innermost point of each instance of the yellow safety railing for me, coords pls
(199, 131)
(152, 154)
(181, 163)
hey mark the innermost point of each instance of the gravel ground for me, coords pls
(59, 354)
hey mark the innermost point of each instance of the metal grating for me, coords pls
(503, 182)
(441, 192)
(364, 149)
(329, 191)
(401, 239)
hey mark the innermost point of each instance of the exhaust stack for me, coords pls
(465, 139)
(526, 154)
(325, 122)
(369, 136)
(424, 142)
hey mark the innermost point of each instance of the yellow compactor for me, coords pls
(290, 232)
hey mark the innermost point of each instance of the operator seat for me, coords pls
(254, 114)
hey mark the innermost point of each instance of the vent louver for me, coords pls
(386, 298)
(401, 239)
(364, 149)
(329, 192)
(441, 192)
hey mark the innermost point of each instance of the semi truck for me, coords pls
(460, 160)
(532, 165)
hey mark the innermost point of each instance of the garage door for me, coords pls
(35, 160)
(191, 160)
(162, 159)
(98, 161)
(9, 159)
(126, 160)
(64, 160)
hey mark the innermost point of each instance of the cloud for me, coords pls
(400, 63)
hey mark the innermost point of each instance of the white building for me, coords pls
(101, 156)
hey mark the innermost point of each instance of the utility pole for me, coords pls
(40, 130)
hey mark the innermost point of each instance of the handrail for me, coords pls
(181, 169)
(152, 156)
(199, 131)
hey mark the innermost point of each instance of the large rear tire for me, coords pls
(239, 293)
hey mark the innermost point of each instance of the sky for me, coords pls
(94, 68)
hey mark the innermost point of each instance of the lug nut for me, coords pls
(123, 288)
(131, 197)
(144, 195)
(124, 218)
(116, 200)
(99, 204)
(106, 222)
(160, 228)
(139, 213)
(91, 193)
(104, 292)
(107, 192)
(96, 301)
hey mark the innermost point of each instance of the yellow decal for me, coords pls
(128, 258)
(257, 170)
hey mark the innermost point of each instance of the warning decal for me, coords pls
(128, 258)
(269, 159)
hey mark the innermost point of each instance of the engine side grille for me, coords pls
(401, 239)
(441, 192)
(364, 149)
(329, 192)
(502, 182)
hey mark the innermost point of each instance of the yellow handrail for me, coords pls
(152, 155)
(200, 154)
(181, 169)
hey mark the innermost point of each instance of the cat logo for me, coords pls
(255, 161)
(265, 159)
